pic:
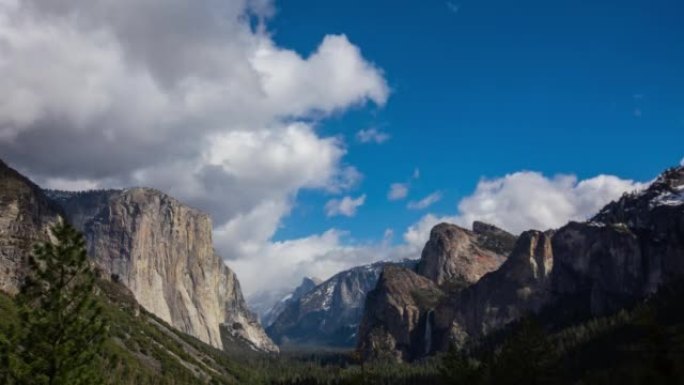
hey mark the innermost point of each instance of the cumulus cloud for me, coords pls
(185, 96)
(528, 200)
(346, 206)
(425, 202)
(281, 265)
(516, 202)
(398, 191)
(372, 135)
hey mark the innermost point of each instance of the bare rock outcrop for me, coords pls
(622, 255)
(26, 216)
(519, 286)
(397, 321)
(456, 254)
(330, 313)
(162, 251)
(627, 251)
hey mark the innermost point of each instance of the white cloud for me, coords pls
(528, 200)
(372, 135)
(453, 7)
(397, 191)
(281, 265)
(516, 202)
(416, 173)
(425, 202)
(681, 162)
(346, 206)
(183, 96)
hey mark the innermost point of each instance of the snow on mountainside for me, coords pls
(329, 314)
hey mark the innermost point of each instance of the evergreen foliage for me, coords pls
(64, 328)
(55, 332)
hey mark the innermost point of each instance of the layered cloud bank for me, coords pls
(528, 200)
(196, 99)
(191, 97)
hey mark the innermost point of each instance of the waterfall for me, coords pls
(428, 331)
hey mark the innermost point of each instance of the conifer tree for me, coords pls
(10, 334)
(527, 357)
(61, 315)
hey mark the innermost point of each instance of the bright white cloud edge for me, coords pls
(516, 202)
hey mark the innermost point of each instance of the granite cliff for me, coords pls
(157, 247)
(396, 323)
(584, 269)
(26, 216)
(162, 251)
(455, 253)
(329, 314)
(399, 313)
(271, 315)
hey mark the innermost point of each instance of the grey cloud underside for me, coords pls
(192, 98)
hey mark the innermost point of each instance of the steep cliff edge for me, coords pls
(399, 315)
(397, 320)
(329, 314)
(456, 254)
(628, 250)
(271, 315)
(162, 251)
(620, 256)
(520, 286)
(26, 216)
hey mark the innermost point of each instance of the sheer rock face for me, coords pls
(26, 216)
(626, 251)
(162, 251)
(519, 286)
(330, 313)
(306, 286)
(623, 254)
(397, 321)
(454, 253)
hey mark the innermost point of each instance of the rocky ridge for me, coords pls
(622, 255)
(455, 253)
(162, 251)
(26, 216)
(307, 285)
(399, 314)
(397, 322)
(329, 314)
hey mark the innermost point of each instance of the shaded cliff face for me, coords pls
(623, 254)
(306, 286)
(455, 254)
(519, 286)
(398, 317)
(162, 251)
(26, 216)
(329, 314)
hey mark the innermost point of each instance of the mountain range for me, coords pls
(622, 255)
(158, 248)
(155, 256)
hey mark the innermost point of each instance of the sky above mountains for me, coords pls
(322, 135)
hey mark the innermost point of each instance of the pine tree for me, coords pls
(10, 334)
(457, 368)
(527, 357)
(62, 317)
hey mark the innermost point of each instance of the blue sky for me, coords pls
(487, 88)
(524, 114)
